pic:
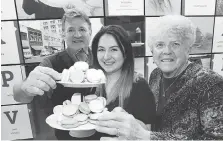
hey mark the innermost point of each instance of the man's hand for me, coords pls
(40, 80)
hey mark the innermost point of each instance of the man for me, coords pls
(41, 81)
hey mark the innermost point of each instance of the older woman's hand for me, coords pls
(120, 123)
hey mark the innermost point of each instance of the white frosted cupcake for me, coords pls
(65, 75)
(97, 105)
(77, 76)
(81, 66)
(93, 76)
(102, 75)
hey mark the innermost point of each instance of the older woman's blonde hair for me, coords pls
(177, 25)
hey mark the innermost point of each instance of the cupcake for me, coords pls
(77, 76)
(81, 66)
(90, 97)
(97, 105)
(102, 75)
(93, 76)
(69, 110)
(84, 108)
(58, 109)
(82, 118)
(65, 75)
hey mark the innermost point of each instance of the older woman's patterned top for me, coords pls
(195, 109)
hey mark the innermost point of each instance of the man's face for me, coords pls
(77, 34)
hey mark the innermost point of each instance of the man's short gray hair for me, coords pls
(71, 12)
(178, 25)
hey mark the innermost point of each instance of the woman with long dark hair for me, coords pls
(112, 52)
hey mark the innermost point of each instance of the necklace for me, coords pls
(184, 68)
(165, 90)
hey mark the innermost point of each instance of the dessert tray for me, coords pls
(52, 121)
(78, 118)
(79, 85)
(81, 76)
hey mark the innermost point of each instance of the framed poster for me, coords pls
(30, 9)
(204, 60)
(151, 24)
(15, 122)
(218, 35)
(139, 65)
(40, 38)
(162, 7)
(11, 75)
(218, 63)
(8, 10)
(204, 34)
(96, 24)
(124, 7)
(219, 8)
(199, 7)
(134, 25)
(10, 43)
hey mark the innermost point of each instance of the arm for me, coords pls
(211, 112)
(26, 90)
(19, 95)
(144, 100)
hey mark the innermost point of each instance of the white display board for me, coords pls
(151, 24)
(15, 122)
(218, 35)
(10, 75)
(218, 63)
(139, 65)
(200, 7)
(96, 24)
(125, 7)
(164, 7)
(9, 46)
(8, 10)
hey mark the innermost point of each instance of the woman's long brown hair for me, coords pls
(123, 86)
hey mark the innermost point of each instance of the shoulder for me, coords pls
(49, 61)
(139, 79)
(207, 78)
(141, 86)
(200, 79)
(155, 73)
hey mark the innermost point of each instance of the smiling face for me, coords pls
(109, 54)
(77, 33)
(170, 54)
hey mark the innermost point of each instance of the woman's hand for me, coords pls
(120, 123)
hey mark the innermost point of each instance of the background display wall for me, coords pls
(31, 30)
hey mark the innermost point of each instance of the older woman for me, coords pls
(189, 98)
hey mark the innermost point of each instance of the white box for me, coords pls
(15, 122)
(200, 7)
(10, 75)
(218, 63)
(218, 35)
(8, 10)
(9, 45)
(125, 7)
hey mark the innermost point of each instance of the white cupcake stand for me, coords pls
(82, 131)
